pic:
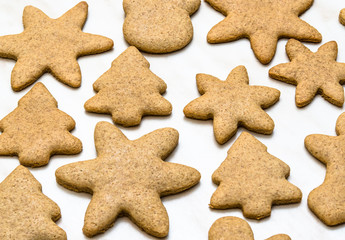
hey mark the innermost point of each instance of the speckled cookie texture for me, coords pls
(327, 200)
(342, 16)
(312, 73)
(26, 213)
(159, 26)
(234, 228)
(232, 103)
(128, 178)
(129, 90)
(252, 179)
(263, 22)
(37, 129)
(51, 45)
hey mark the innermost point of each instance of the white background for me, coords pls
(190, 216)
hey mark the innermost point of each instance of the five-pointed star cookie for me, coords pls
(128, 178)
(232, 103)
(252, 179)
(129, 90)
(37, 129)
(312, 73)
(263, 22)
(342, 16)
(26, 213)
(327, 200)
(51, 45)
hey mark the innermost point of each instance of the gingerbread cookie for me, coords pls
(252, 179)
(232, 103)
(159, 26)
(36, 129)
(342, 16)
(129, 90)
(263, 22)
(51, 45)
(26, 213)
(312, 73)
(128, 178)
(327, 200)
(234, 228)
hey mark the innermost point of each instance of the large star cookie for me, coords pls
(129, 90)
(51, 45)
(159, 26)
(327, 200)
(37, 129)
(26, 213)
(234, 228)
(312, 73)
(252, 179)
(232, 103)
(263, 22)
(128, 178)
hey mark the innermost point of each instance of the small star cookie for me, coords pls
(232, 103)
(342, 16)
(252, 179)
(234, 228)
(129, 90)
(327, 200)
(26, 213)
(37, 129)
(263, 22)
(51, 45)
(312, 73)
(128, 178)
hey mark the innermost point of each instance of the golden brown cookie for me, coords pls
(129, 90)
(312, 73)
(327, 200)
(234, 228)
(51, 45)
(263, 22)
(37, 129)
(159, 26)
(26, 213)
(252, 179)
(342, 16)
(128, 178)
(232, 103)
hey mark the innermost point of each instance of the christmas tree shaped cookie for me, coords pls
(312, 73)
(128, 178)
(26, 213)
(252, 179)
(327, 200)
(232, 103)
(234, 228)
(129, 90)
(37, 129)
(51, 45)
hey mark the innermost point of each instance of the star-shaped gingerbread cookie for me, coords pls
(51, 45)
(26, 213)
(129, 90)
(128, 178)
(252, 179)
(232, 103)
(312, 73)
(37, 129)
(327, 200)
(263, 22)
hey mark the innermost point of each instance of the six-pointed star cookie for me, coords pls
(232, 103)
(51, 45)
(129, 90)
(37, 129)
(327, 200)
(252, 179)
(263, 22)
(26, 213)
(312, 73)
(128, 177)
